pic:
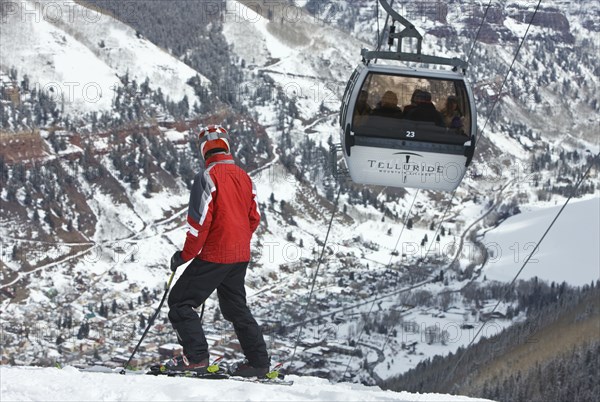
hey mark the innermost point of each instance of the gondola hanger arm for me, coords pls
(409, 32)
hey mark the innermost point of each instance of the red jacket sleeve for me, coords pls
(254, 212)
(200, 214)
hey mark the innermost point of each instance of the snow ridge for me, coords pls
(69, 384)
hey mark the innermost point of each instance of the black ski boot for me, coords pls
(244, 369)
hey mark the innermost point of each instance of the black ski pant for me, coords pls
(196, 284)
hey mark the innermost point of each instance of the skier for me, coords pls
(222, 216)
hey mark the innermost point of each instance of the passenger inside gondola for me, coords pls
(363, 109)
(395, 106)
(388, 106)
(425, 110)
(362, 106)
(453, 116)
(413, 102)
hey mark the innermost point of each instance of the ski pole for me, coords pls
(150, 322)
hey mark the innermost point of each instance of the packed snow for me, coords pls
(568, 253)
(69, 384)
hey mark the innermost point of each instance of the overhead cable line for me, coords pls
(314, 278)
(388, 266)
(478, 31)
(429, 249)
(508, 72)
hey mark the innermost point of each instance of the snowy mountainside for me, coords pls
(69, 384)
(387, 297)
(563, 250)
(80, 53)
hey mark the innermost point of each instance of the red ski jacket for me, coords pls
(222, 214)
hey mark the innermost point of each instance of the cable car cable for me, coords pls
(435, 234)
(478, 31)
(379, 36)
(390, 263)
(388, 266)
(483, 130)
(508, 73)
(314, 278)
(535, 249)
(428, 250)
(403, 226)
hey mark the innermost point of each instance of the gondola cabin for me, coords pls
(407, 127)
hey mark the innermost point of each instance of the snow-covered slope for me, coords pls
(80, 53)
(69, 384)
(308, 60)
(569, 253)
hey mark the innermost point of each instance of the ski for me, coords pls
(269, 381)
(108, 370)
(273, 377)
(190, 374)
(224, 376)
(215, 372)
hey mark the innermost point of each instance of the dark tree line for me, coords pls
(568, 169)
(133, 102)
(36, 108)
(566, 375)
(49, 186)
(570, 377)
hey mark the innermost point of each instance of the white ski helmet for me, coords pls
(213, 138)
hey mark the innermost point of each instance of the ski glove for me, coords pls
(176, 261)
